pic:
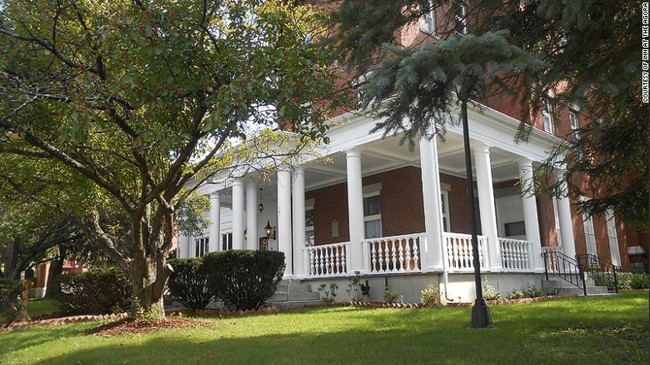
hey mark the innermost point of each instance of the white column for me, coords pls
(432, 253)
(283, 232)
(251, 215)
(486, 204)
(355, 210)
(238, 214)
(215, 221)
(298, 197)
(183, 247)
(564, 217)
(531, 220)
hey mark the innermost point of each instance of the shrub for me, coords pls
(188, 283)
(244, 279)
(515, 294)
(9, 299)
(391, 296)
(95, 292)
(489, 293)
(624, 280)
(430, 296)
(639, 281)
(328, 296)
(533, 291)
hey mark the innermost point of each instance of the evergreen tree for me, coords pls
(590, 58)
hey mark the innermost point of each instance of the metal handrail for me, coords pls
(565, 267)
(599, 270)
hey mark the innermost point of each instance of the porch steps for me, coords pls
(292, 294)
(563, 287)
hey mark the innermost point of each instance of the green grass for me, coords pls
(42, 306)
(591, 330)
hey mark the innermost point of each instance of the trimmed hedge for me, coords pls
(244, 279)
(188, 283)
(9, 299)
(95, 292)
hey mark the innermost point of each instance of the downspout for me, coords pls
(445, 274)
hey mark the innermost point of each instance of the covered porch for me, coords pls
(376, 207)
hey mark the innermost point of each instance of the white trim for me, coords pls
(428, 21)
(613, 238)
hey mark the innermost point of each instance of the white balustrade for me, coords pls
(396, 254)
(460, 256)
(328, 260)
(516, 255)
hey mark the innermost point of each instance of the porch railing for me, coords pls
(328, 260)
(396, 254)
(515, 254)
(460, 256)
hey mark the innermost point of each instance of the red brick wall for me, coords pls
(330, 203)
(402, 209)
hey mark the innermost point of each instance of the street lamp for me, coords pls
(480, 312)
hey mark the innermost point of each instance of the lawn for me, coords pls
(42, 306)
(584, 330)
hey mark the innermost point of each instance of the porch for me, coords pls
(409, 254)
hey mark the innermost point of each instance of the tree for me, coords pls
(592, 60)
(32, 221)
(138, 99)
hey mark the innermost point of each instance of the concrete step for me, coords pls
(289, 297)
(564, 287)
(293, 294)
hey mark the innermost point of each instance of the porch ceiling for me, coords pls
(388, 154)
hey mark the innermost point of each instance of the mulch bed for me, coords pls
(128, 326)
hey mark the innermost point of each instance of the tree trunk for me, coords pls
(55, 270)
(149, 279)
(149, 271)
(10, 261)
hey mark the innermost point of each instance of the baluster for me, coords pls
(337, 260)
(319, 257)
(374, 261)
(401, 257)
(328, 260)
(456, 247)
(462, 254)
(416, 254)
(449, 245)
(408, 257)
(470, 254)
(312, 268)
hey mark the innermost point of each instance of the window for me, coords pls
(573, 122)
(202, 246)
(515, 229)
(460, 16)
(444, 200)
(613, 238)
(372, 215)
(547, 115)
(309, 225)
(226, 241)
(590, 235)
(428, 21)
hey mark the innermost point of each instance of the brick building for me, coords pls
(367, 205)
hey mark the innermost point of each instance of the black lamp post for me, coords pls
(480, 312)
